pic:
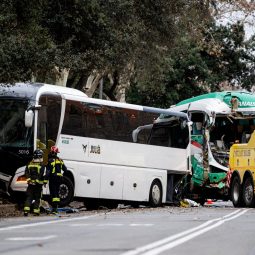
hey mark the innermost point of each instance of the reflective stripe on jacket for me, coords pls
(35, 173)
(56, 167)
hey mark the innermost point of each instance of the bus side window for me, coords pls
(197, 128)
(160, 136)
(198, 120)
(143, 136)
(75, 119)
(181, 137)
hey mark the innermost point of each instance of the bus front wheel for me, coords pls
(155, 198)
(66, 191)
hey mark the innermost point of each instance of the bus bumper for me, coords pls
(19, 181)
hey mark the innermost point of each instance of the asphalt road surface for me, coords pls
(211, 230)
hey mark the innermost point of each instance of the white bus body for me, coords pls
(95, 139)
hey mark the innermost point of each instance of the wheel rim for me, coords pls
(63, 191)
(248, 192)
(155, 194)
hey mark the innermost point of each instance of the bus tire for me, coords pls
(155, 197)
(248, 192)
(66, 191)
(235, 192)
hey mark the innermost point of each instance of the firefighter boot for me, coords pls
(54, 208)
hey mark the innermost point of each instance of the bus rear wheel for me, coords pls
(236, 194)
(248, 192)
(155, 198)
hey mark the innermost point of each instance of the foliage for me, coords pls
(25, 47)
(86, 35)
(221, 58)
(174, 48)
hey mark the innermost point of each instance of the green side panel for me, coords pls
(198, 176)
(216, 177)
(197, 138)
(246, 99)
(197, 163)
(221, 185)
(198, 171)
(219, 95)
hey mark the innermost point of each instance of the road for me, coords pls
(212, 230)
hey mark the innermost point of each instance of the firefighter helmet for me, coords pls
(54, 150)
(38, 155)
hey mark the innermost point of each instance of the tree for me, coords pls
(79, 37)
(222, 58)
(25, 47)
(80, 42)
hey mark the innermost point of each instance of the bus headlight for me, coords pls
(22, 179)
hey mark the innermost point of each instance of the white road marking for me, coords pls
(58, 220)
(113, 225)
(141, 224)
(32, 238)
(175, 240)
(80, 225)
(110, 224)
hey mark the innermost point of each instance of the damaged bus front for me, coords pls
(219, 120)
(30, 119)
(16, 139)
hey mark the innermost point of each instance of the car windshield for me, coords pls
(13, 132)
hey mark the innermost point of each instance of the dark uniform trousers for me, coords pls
(54, 185)
(35, 177)
(34, 192)
(55, 176)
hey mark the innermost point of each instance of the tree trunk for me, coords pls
(92, 83)
(124, 82)
(61, 76)
(57, 76)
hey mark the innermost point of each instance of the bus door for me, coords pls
(48, 122)
(173, 133)
(199, 150)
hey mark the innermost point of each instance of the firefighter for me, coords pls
(35, 179)
(54, 175)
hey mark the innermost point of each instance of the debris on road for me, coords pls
(189, 203)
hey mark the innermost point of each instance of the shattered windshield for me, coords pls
(13, 132)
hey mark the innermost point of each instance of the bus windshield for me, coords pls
(13, 132)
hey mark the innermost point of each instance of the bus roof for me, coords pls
(60, 89)
(219, 102)
(32, 90)
(97, 101)
(19, 90)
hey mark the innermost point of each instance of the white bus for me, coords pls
(110, 156)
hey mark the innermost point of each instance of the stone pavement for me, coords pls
(7, 208)
(11, 209)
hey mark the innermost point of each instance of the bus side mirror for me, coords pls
(29, 116)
